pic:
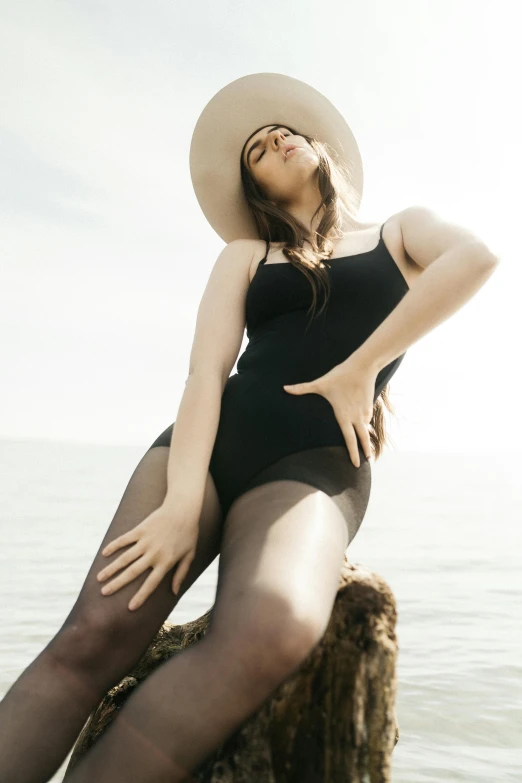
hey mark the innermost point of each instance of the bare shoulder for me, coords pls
(238, 253)
(392, 238)
(426, 235)
(241, 247)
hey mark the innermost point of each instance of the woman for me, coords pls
(269, 467)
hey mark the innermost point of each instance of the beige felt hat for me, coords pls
(231, 116)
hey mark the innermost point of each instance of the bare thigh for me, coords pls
(101, 625)
(282, 551)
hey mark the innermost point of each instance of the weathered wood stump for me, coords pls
(332, 721)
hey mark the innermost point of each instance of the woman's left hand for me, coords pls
(349, 388)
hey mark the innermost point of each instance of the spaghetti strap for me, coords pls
(266, 254)
(380, 235)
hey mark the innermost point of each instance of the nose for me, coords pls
(279, 135)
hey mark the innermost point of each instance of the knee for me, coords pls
(295, 640)
(268, 649)
(89, 640)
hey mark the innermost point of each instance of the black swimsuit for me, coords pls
(266, 433)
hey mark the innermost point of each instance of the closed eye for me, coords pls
(257, 161)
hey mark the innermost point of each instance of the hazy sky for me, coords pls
(105, 252)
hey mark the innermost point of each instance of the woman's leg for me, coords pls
(100, 641)
(281, 554)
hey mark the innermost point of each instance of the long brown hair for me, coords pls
(274, 224)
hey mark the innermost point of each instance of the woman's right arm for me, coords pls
(168, 536)
(217, 340)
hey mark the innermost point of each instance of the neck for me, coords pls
(304, 209)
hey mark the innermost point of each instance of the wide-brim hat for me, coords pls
(234, 114)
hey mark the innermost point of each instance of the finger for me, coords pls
(364, 437)
(127, 538)
(127, 576)
(351, 444)
(147, 588)
(182, 571)
(120, 562)
(298, 388)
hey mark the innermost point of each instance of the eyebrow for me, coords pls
(257, 143)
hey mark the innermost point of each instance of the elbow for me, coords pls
(479, 254)
(492, 259)
(487, 255)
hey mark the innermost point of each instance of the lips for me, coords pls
(287, 148)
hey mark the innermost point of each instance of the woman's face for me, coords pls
(281, 175)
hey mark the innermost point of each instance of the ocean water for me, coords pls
(445, 531)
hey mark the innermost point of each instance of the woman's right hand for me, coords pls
(167, 536)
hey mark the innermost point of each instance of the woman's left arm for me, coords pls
(455, 263)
